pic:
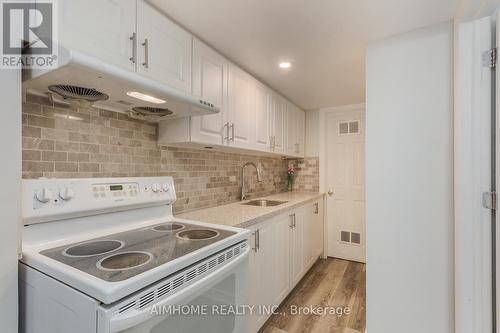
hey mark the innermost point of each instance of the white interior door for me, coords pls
(345, 151)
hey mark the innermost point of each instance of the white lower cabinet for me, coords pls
(297, 236)
(281, 278)
(261, 263)
(284, 249)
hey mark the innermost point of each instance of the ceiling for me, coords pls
(325, 40)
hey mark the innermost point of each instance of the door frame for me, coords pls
(323, 187)
(473, 176)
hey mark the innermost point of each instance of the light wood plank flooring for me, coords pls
(330, 283)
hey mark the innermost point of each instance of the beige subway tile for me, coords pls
(54, 156)
(39, 121)
(32, 132)
(31, 108)
(78, 157)
(88, 167)
(31, 155)
(89, 148)
(99, 158)
(68, 146)
(39, 144)
(117, 123)
(35, 166)
(126, 133)
(66, 167)
(55, 134)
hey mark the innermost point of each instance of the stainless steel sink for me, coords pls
(264, 203)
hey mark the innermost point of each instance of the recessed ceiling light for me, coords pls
(285, 65)
(145, 97)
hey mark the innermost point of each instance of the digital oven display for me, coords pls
(116, 187)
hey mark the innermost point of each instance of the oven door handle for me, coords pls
(121, 322)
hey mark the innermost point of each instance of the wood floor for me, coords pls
(331, 283)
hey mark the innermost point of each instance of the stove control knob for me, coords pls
(67, 194)
(44, 195)
(155, 187)
(166, 187)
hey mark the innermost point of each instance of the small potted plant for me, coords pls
(291, 177)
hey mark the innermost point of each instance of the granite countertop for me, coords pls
(244, 216)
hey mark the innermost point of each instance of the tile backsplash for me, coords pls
(90, 142)
(307, 175)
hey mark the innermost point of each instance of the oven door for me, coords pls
(213, 303)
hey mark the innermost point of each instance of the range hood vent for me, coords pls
(152, 111)
(106, 86)
(80, 93)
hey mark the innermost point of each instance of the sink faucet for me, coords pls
(259, 178)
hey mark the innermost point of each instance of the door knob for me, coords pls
(330, 193)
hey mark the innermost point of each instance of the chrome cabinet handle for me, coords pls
(330, 193)
(232, 132)
(258, 239)
(146, 53)
(270, 142)
(291, 222)
(255, 248)
(294, 220)
(226, 128)
(316, 208)
(133, 38)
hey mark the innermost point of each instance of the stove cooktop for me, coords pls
(120, 256)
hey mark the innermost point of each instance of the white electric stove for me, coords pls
(107, 255)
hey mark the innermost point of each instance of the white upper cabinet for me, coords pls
(278, 116)
(291, 129)
(104, 29)
(295, 131)
(300, 132)
(241, 99)
(163, 48)
(210, 74)
(263, 136)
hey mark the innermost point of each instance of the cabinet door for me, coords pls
(319, 229)
(281, 279)
(210, 84)
(278, 129)
(291, 129)
(100, 28)
(240, 107)
(297, 247)
(261, 271)
(300, 121)
(263, 118)
(164, 48)
(310, 234)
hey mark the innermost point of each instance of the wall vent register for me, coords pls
(349, 127)
(350, 237)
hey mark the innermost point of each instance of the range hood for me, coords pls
(81, 77)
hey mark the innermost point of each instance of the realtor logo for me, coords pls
(28, 34)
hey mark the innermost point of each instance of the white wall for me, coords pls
(10, 178)
(409, 185)
(312, 133)
(474, 9)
